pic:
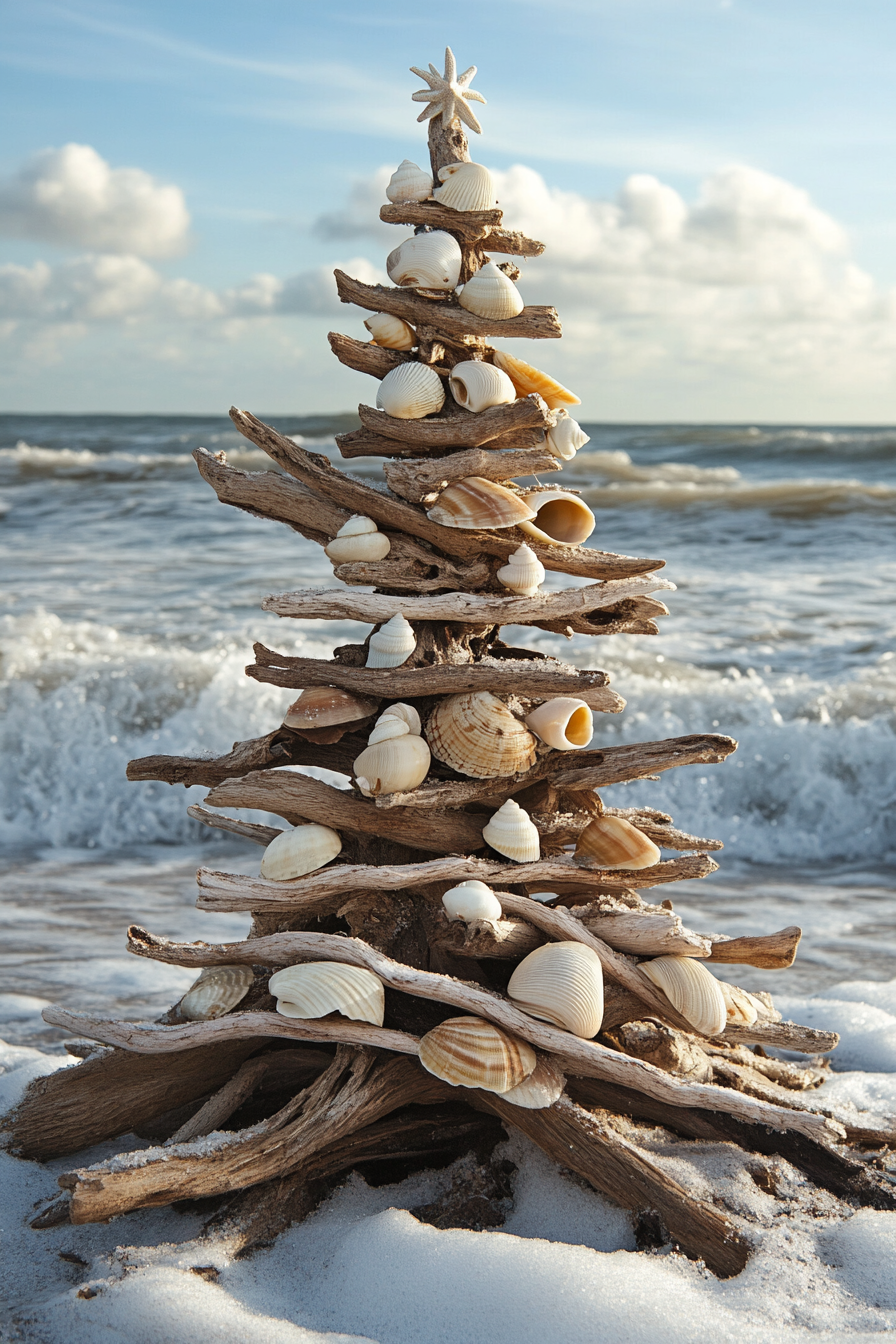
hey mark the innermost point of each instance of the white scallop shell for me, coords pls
(392, 764)
(475, 503)
(426, 261)
(390, 332)
(560, 519)
(471, 900)
(692, 989)
(511, 832)
(356, 540)
(318, 988)
(392, 644)
(561, 983)
(299, 851)
(476, 386)
(466, 186)
(566, 437)
(407, 713)
(523, 573)
(470, 1052)
(218, 989)
(491, 294)
(563, 723)
(541, 1089)
(409, 183)
(410, 391)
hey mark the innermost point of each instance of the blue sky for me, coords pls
(713, 177)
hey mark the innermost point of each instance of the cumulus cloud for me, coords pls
(71, 196)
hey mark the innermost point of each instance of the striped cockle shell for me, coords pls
(466, 186)
(476, 386)
(740, 1007)
(394, 760)
(358, 539)
(470, 1052)
(409, 183)
(318, 988)
(523, 573)
(478, 504)
(392, 644)
(541, 1089)
(562, 723)
(476, 734)
(471, 900)
(527, 379)
(613, 842)
(218, 989)
(326, 706)
(566, 437)
(692, 989)
(426, 261)
(411, 391)
(561, 983)
(390, 332)
(301, 850)
(491, 294)
(561, 519)
(512, 833)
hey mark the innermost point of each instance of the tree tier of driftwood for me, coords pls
(445, 316)
(473, 226)
(463, 429)
(421, 480)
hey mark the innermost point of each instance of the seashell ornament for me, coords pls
(395, 759)
(390, 332)
(466, 186)
(318, 988)
(523, 573)
(562, 723)
(299, 851)
(472, 900)
(470, 1052)
(426, 261)
(326, 706)
(542, 1088)
(476, 734)
(491, 294)
(392, 644)
(356, 540)
(613, 842)
(566, 437)
(411, 391)
(476, 503)
(512, 833)
(218, 989)
(409, 183)
(407, 714)
(692, 989)
(527, 379)
(560, 519)
(475, 386)
(561, 983)
(740, 1007)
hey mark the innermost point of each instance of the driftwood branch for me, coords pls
(365, 443)
(631, 931)
(281, 747)
(365, 357)
(480, 226)
(463, 429)
(421, 481)
(446, 316)
(267, 494)
(771, 951)
(248, 830)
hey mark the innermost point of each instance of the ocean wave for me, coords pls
(29, 461)
(871, 441)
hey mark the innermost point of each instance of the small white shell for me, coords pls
(426, 261)
(541, 1089)
(475, 503)
(318, 988)
(561, 983)
(218, 989)
(392, 763)
(471, 900)
(560, 519)
(466, 186)
(299, 851)
(476, 386)
(387, 727)
(562, 723)
(566, 437)
(692, 989)
(409, 183)
(511, 832)
(390, 332)
(470, 1052)
(740, 1007)
(411, 391)
(358, 539)
(407, 714)
(392, 644)
(491, 294)
(523, 573)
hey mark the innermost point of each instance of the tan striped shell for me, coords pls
(470, 1052)
(218, 989)
(476, 734)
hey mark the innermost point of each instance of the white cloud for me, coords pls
(71, 196)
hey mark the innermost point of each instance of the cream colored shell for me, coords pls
(301, 850)
(392, 644)
(560, 519)
(218, 989)
(523, 573)
(466, 186)
(613, 842)
(491, 294)
(541, 1089)
(394, 760)
(692, 989)
(563, 723)
(566, 437)
(527, 379)
(390, 332)
(407, 714)
(426, 261)
(323, 706)
(475, 503)
(318, 988)
(470, 1052)
(358, 539)
(476, 734)
(512, 833)
(472, 900)
(740, 1007)
(409, 183)
(410, 391)
(476, 386)
(561, 983)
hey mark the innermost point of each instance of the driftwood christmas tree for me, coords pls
(415, 895)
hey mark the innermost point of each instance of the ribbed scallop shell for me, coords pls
(740, 1007)
(692, 989)
(323, 706)
(512, 833)
(541, 1089)
(426, 261)
(476, 386)
(560, 519)
(526, 378)
(471, 900)
(317, 988)
(218, 989)
(613, 842)
(562, 723)
(411, 391)
(470, 1052)
(409, 183)
(476, 503)
(476, 734)
(566, 437)
(358, 539)
(392, 765)
(302, 850)
(407, 714)
(561, 983)
(392, 644)
(523, 573)
(491, 294)
(466, 186)
(390, 332)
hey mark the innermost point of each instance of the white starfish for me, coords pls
(448, 94)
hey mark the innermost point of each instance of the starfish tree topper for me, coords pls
(448, 94)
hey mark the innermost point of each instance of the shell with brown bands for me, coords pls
(471, 1052)
(613, 842)
(476, 734)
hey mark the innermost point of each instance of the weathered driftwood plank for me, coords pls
(422, 481)
(633, 932)
(463, 429)
(365, 443)
(473, 226)
(365, 357)
(281, 747)
(248, 830)
(446, 316)
(784, 1036)
(771, 951)
(268, 494)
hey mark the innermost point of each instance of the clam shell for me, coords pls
(411, 391)
(692, 989)
(613, 842)
(523, 573)
(466, 186)
(470, 1052)
(426, 261)
(512, 833)
(317, 988)
(476, 734)
(566, 437)
(392, 765)
(561, 983)
(560, 519)
(563, 723)
(323, 706)
(491, 294)
(390, 332)
(218, 989)
(476, 503)
(471, 900)
(407, 714)
(541, 1089)
(526, 379)
(392, 644)
(476, 386)
(299, 851)
(409, 183)
(740, 1007)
